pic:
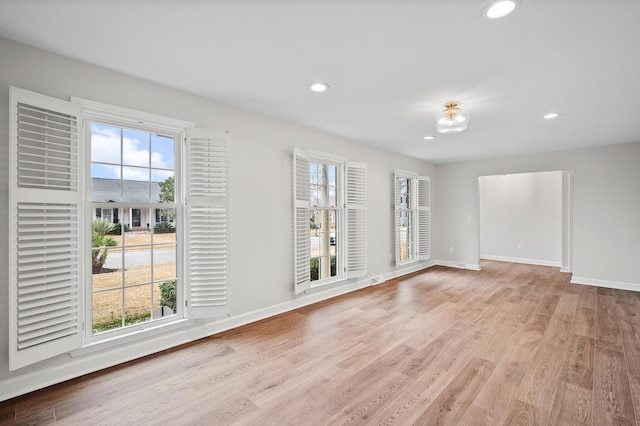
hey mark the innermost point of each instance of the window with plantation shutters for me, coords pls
(329, 219)
(411, 217)
(207, 202)
(45, 223)
(80, 168)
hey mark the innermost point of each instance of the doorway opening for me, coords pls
(526, 218)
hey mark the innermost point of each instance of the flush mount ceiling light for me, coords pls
(319, 87)
(452, 119)
(551, 116)
(428, 138)
(500, 8)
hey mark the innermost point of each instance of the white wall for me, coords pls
(521, 217)
(606, 202)
(261, 266)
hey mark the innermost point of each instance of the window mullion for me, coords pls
(151, 224)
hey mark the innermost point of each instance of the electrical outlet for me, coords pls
(451, 250)
(520, 246)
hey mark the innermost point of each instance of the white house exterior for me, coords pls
(109, 190)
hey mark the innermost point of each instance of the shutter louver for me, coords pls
(424, 218)
(207, 222)
(45, 222)
(356, 219)
(301, 221)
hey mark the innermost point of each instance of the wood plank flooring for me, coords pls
(511, 344)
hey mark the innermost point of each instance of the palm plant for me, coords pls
(100, 242)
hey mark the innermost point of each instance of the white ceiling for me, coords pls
(390, 64)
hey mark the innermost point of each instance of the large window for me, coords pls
(134, 263)
(126, 223)
(330, 219)
(412, 217)
(325, 220)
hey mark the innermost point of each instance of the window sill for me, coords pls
(328, 282)
(407, 262)
(138, 336)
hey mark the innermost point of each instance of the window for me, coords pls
(412, 217)
(330, 219)
(405, 226)
(106, 215)
(325, 248)
(165, 215)
(134, 274)
(61, 183)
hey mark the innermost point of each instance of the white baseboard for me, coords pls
(414, 267)
(89, 360)
(94, 361)
(539, 262)
(458, 265)
(618, 285)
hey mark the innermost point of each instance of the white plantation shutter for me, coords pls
(301, 234)
(397, 216)
(207, 213)
(356, 219)
(45, 254)
(424, 217)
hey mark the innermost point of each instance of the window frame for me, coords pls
(410, 209)
(339, 163)
(419, 210)
(129, 119)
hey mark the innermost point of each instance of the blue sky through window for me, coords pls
(136, 154)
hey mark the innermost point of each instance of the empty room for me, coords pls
(312, 212)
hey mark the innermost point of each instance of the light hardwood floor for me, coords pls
(511, 344)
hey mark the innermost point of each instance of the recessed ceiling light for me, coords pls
(551, 115)
(500, 8)
(319, 87)
(428, 138)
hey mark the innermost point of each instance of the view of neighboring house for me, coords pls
(109, 190)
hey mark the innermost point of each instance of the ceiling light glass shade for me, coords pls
(452, 119)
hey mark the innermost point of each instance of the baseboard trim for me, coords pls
(86, 361)
(458, 265)
(618, 285)
(79, 366)
(539, 262)
(414, 267)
